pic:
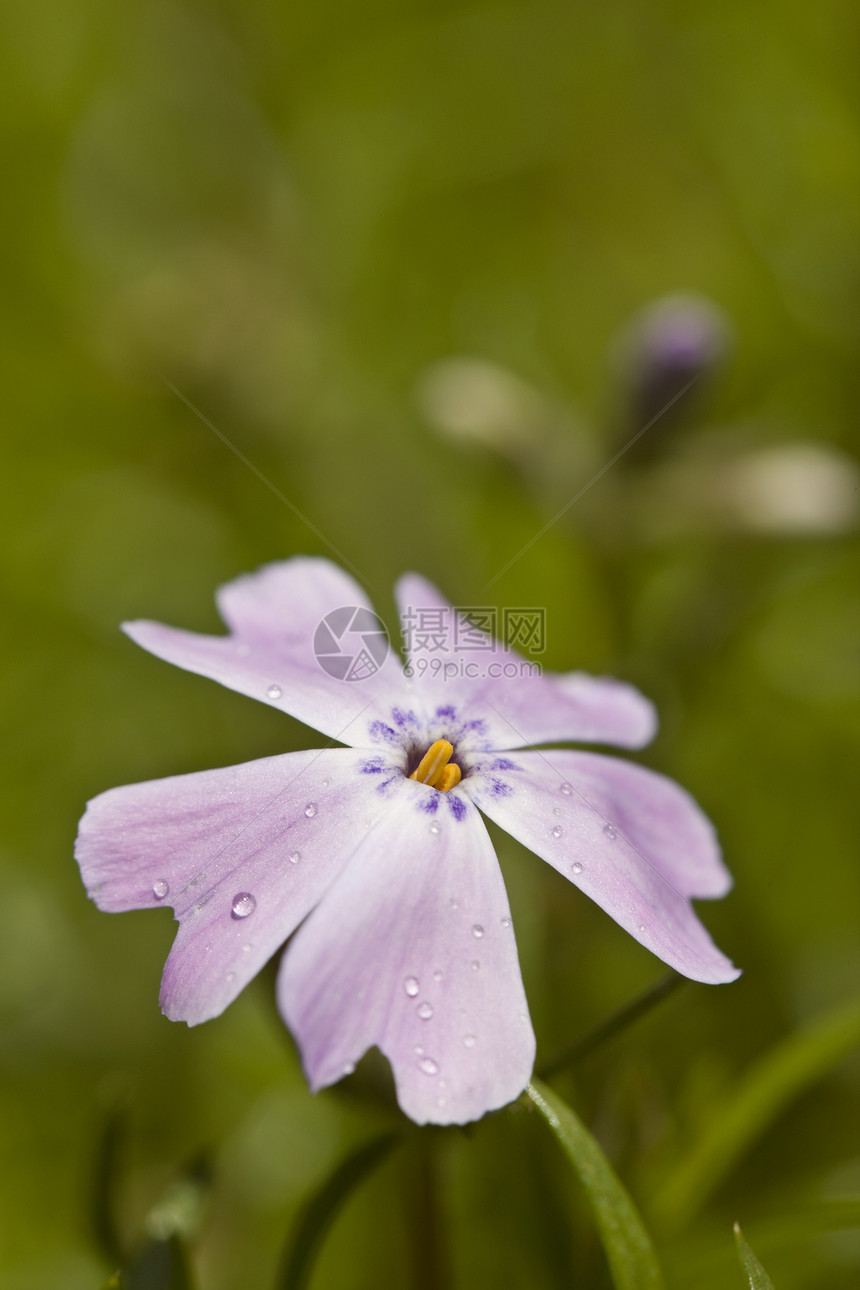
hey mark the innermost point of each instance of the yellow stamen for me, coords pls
(436, 769)
(449, 778)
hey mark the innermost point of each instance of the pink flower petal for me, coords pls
(413, 950)
(632, 840)
(494, 684)
(241, 854)
(274, 615)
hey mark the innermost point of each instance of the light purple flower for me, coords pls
(404, 936)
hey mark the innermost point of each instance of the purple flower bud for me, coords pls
(661, 358)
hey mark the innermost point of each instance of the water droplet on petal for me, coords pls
(243, 904)
(326, 783)
(428, 1066)
(418, 1050)
(455, 904)
(556, 810)
(348, 1068)
(642, 927)
(610, 831)
(311, 810)
(295, 857)
(434, 827)
(506, 922)
(274, 692)
(425, 1011)
(477, 931)
(566, 789)
(576, 867)
(469, 1041)
(246, 949)
(437, 976)
(474, 965)
(160, 889)
(231, 976)
(411, 986)
(441, 1101)
(557, 831)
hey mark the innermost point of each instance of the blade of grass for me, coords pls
(322, 1209)
(628, 1246)
(756, 1275)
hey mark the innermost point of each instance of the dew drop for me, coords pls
(411, 986)
(418, 1050)
(437, 976)
(610, 831)
(557, 831)
(246, 949)
(326, 783)
(425, 1011)
(469, 1041)
(311, 810)
(231, 976)
(455, 904)
(556, 810)
(434, 827)
(274, 692)
(474, 965)
(295, 857)
(428, 1066)
(566, 789)
(642, 927)
(243, 904)
(477, 931)
(576, 867)
(348, 1068)
(441, 1102)
(506, 922)
(160, 889)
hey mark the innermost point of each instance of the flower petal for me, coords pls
(274, 616)
(413, 950)
(631, 839)
(453, 664)
(242, 854)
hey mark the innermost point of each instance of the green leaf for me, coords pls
(631, 1256)
(757, 1100)
(160, 1265)
(323, 1208)
(106, 1185)
(758, 1278)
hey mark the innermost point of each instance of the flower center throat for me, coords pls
(436, 768)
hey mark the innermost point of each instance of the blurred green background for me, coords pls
(410, 259)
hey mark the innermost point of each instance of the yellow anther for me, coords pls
(449, 778)
(435, 768)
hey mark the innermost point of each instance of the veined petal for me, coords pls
(631, 839)
(274, 616)
(413, 950)
(456, 665)
(241, 854)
